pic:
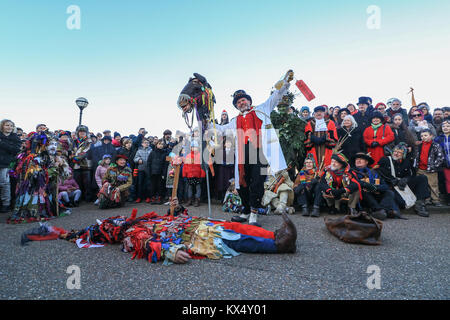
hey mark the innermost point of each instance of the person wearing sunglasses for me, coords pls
(418, 123)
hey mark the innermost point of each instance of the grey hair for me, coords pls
(352, 119)
(392, 100)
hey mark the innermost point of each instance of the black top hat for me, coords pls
(240, 94)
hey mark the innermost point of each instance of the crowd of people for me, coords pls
(386, 153)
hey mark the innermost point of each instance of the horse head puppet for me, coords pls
(197, 94)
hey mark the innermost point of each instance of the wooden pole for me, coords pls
(177, 165)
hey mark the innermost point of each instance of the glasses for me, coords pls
(416, 115)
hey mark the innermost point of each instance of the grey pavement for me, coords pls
(413, 261)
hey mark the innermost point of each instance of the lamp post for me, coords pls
(81, 103)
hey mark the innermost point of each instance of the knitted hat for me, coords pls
(106, 156)
(107, 138)
(339, 157)
(240, 94)
(225, 112)
(304, 108)
(380, 104)
(402, 146)
(116, 134)
(342, 110)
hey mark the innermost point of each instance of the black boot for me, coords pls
(315, 212)
(305, 212)
(286, 236)
(420, 208)
(379, 214)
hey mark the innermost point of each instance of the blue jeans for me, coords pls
(5, 187)
(75, 195)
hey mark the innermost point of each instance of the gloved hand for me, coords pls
(317, 140)
(374, 144)
(368, 186)
(337, 193)
(402, 183)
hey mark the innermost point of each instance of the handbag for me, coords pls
(360, 228)
(407, 195)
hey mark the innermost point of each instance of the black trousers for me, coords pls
(377, 201)
(308, 197)
(255, 167)
(83, 178)
(157, 185)
(419, 186)
(142, 185)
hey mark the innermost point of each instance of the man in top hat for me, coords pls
(364, 114)
(338, 183)
(256, 145)
(376, 194)
(321, 137)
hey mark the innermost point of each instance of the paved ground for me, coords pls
(413, 259)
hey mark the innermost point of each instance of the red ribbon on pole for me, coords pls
(304, 89)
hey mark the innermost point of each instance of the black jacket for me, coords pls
(96, 154)
(9, 148)
(157, 162)
(402, 169)
(365, 120)
(354, 142)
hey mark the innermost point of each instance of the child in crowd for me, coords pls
(157, 165)
(69, 192)
(141, 161)
(429, 158)
(444, 141)
(103, 166)
(192, 170)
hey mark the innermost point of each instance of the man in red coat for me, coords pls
(376, 136)
(321, 137)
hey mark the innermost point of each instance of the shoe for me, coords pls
(315, 212)
(159, 201)
(148, 200)
(264, 211)
(242, 218)
(138, 200)
(286, 236)
(305, 212)
(253, 220)
(393, 214)
(189, 202)
(437, 204)
(420, 209)
(197, 202)
(96, 202)
(379, 214)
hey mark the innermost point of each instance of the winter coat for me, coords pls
(403, 169)
(9, 148)
(444, 142)
(120, 178)
(391, 113)
(402, 134)
(313, 140)
(81, 157)
(354, 142)
(97, 153)
(415, 129)
(383, 136)
(363, 121)
(68, 185)
(435, 157)
(157, 162)
(142, 154)
(192, 166)
(129, 154)
(100, 174)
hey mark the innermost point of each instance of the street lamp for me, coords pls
(81, 103)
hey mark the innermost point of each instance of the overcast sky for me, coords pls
(130, 59)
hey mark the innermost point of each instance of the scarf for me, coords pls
(321, 125)
(375, 128)
(366, 172)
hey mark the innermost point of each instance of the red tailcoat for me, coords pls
(330, 143)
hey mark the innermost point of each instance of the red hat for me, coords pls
(120, 156)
